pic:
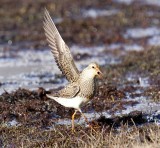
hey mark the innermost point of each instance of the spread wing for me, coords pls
(60, 50)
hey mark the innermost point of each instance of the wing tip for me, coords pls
(46, 11)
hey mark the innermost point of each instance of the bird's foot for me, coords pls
(92, 127)
(73, 131)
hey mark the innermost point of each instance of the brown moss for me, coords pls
(24, 22)
(142, 64)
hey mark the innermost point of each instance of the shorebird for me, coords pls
(81, 87)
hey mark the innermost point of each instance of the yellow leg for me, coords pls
(88, 122)
(85, 118)
(73, 130)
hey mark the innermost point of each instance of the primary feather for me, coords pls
(60, 50)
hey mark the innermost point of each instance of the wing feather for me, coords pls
(59, 49)
(70, 91)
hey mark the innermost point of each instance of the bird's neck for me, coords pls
(87, 75)
(87, 85)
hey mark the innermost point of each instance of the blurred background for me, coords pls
(95, 30)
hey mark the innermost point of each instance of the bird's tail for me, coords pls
(51, 97)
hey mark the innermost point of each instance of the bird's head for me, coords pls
(93, 70)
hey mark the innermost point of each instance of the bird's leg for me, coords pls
(86, 120)
(73, 130)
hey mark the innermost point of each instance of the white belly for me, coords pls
(75, 102)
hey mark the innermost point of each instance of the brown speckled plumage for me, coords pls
(83, 88)
(81, 85)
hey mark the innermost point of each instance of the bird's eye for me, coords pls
(98, 72)
(92, 66)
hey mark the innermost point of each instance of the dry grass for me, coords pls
(134, 137)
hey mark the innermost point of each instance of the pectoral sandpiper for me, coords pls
(81, 87)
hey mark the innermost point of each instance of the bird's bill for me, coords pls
(99, 73)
